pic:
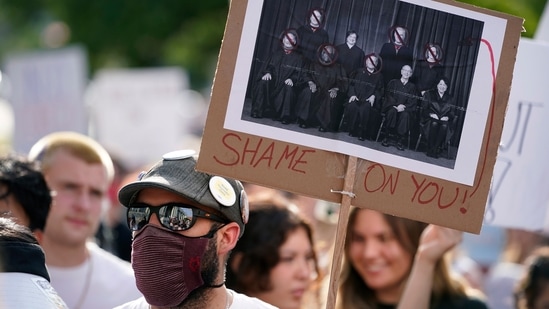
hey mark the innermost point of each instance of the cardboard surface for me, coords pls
(316, 172)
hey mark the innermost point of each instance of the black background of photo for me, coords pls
(458, 36)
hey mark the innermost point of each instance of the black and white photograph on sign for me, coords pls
(402, 83)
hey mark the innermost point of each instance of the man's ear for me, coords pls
(228, 237)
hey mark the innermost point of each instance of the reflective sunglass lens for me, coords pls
(173, 217)
(138, 217)
(177, 218)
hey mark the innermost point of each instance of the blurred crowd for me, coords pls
(77, 206)
(81, 228)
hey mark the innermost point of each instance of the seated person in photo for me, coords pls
(274, 93)
(365, 93)
(320, 103)
(438, 112)
(399, 107)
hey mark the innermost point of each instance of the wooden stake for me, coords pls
(339, 246)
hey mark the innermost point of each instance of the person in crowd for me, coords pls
(350, 56)
(79, 170)
(502, 277)
(274, 91)
(438, 113)
(113, 234)
(183, 266)
(321, 101)
(275, 260)
(396, 53)
(321, 215)
(312, 35)
(429, 70)
(365, 93)
(24, 278)
(532, 291)
(383, 253)
(24, 194)
(399, 107)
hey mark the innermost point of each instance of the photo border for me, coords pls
(475, 122)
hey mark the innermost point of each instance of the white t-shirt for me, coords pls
(240, 301)
(103, 281)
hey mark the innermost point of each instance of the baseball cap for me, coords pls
(176, 172)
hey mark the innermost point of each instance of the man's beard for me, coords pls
(209, 272)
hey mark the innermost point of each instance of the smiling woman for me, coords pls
(380, 253)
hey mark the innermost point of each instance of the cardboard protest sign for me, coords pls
(542, 32)
(259, 131)
(156, 103)
(477, 54)
(46, 90)
(519, 196)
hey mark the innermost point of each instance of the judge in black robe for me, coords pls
(396, 54)
(320, 103)
(274, 92)
(365, 94)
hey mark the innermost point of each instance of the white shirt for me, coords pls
(240, 301)
(102, 281)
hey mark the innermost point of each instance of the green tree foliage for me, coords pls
(530, 10)
(143, 33)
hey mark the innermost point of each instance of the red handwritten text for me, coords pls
(376, 179)
(427, 191)
(248, 152)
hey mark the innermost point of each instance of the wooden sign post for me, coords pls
(339, 245)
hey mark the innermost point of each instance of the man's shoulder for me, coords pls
(241, 301)
(139, 303)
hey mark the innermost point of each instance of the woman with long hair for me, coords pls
(384, 252)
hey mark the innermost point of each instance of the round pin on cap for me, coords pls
(178, 154)
(244, 207)
(222, 191)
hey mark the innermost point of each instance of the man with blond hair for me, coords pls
(79, 170)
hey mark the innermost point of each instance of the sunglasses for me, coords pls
(173, 216)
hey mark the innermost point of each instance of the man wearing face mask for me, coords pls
(185, 224)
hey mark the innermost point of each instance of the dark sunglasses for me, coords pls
(173, 216)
